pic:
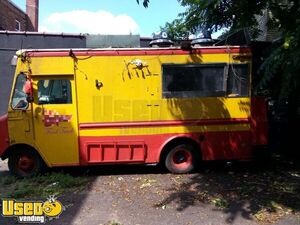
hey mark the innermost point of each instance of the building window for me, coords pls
(189, 80)
(18, 25)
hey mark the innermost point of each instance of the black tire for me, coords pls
(182, 158)
(25, 162)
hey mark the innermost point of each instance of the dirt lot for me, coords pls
(257, 193)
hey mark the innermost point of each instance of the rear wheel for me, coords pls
(182, 158)
(25, 162)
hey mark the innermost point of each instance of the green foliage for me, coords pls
(220, 203)
(145, 3)
(7, 180)
(113, 222)
(215, 15)
(176, 30)
(284, 60)
(40, 186)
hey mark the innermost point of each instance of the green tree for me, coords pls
(217, 14)
(145, 2)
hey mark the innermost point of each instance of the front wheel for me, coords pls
(25, 163)
(182, 158)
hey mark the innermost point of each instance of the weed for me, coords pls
(220, 203)
(21, 190)
(7, 180)
(40, 186)
(113, 222)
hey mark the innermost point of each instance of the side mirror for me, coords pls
(14, 60)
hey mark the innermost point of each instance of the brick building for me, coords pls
(13, 18)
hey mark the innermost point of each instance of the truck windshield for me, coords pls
(19, 100)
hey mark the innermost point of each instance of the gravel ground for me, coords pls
(134, 195)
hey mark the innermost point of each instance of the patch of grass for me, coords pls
(20, 191)
(7, 180)
(220, 203)
(40, 186)
(113, 222)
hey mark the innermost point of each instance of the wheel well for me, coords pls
(9, 151)
(178, 141)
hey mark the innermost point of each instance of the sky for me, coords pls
(104, 16)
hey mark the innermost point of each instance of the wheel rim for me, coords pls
(182, 159)
(25, 163)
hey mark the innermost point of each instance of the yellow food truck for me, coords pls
(175, 106)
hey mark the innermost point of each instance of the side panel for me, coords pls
(217, 139)
(125, 104)
(126, 149)
(226, 145)
(259, 121)
(128, 93)
(95, 150)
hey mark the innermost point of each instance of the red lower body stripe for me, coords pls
(147, 148)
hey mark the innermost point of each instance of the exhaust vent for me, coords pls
(203, 38)
(161, 40)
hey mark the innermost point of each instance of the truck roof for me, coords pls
(134, 51)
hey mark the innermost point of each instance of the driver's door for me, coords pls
(55, 119)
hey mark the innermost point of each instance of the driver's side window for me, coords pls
(19, 99)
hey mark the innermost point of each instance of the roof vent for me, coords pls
(161, 40)
(203, 38)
